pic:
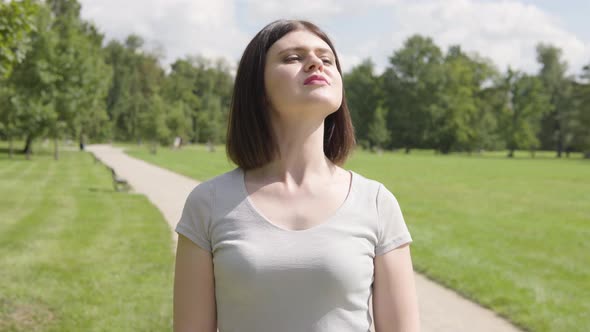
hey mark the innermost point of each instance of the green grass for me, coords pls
(74, 254)
(511, 234)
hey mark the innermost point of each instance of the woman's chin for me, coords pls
(321, 99)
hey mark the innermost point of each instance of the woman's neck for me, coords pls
(301, 156)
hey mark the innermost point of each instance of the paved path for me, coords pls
(441, 310)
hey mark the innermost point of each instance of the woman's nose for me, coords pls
(315, 63)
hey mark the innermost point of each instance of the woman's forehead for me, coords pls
(300, 40)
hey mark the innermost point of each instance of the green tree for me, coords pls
(363, 96)
(557, 130)
(31, 110)
(152, 123)
(526, 103)
(8, 117)
(17, 21)
(378, 134)
(137, 78)
(411, 87)
(453, 114)
(177, 120)
(582, 100)
(204, 86)
(180, 88)
(462, 121)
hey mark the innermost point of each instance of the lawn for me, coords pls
(76, 255)
(511, 234)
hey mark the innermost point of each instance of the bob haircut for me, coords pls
(250, 138)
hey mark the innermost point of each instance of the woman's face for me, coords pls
(291, 61)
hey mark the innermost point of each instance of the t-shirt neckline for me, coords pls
(242, 184)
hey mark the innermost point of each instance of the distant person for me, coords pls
(289, 241)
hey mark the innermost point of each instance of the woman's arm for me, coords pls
(395, 303)
(194, 289)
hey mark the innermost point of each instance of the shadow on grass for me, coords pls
(111, 191)
(101, 190)
(18, 154)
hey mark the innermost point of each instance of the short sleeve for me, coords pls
(392, 230)
(195, 220)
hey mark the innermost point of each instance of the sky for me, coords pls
(505, 31)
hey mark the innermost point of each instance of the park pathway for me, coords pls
(441, 310)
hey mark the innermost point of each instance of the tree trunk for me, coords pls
(55, 149)
(407, 150)
(533, 153)
(510, 153)
(82, 142)
(28, 146)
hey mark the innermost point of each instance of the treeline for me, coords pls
(456, 101)
(60, 79)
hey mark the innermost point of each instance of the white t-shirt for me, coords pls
(270, 279)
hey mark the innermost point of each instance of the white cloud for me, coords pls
(180, 27)
(505, 31)
(270, 10)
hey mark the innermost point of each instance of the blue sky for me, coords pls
(505, 31)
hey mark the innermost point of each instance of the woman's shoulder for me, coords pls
(375, 189)
(366, 183)
(224, 180)
(208, 189)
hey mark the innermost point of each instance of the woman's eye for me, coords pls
(292, 58)
(327, 61)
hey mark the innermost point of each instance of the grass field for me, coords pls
(511, 234)
(74, 254)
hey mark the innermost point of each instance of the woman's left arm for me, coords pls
(395, 303)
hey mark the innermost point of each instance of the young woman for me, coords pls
(289, 241)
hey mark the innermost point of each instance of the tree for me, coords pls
(454, 112)
(204, 87)
(137, 78)
(582, 99)
(411, 86)
(176, 120)
(378, 134)
(363, 96)
(8, 120)
(152, 123)
(32, 84)
(79, 88)
(17, 21)
(462, 121)
(526, 103)
(180, 88)
(557, 124)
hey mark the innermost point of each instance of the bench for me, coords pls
(119, 182)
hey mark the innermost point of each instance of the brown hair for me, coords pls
(250, 142)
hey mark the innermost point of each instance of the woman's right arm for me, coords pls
(194, 289)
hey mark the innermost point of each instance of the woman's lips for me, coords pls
(316, 79)
(316, 82)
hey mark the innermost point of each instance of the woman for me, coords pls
(288, 240)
